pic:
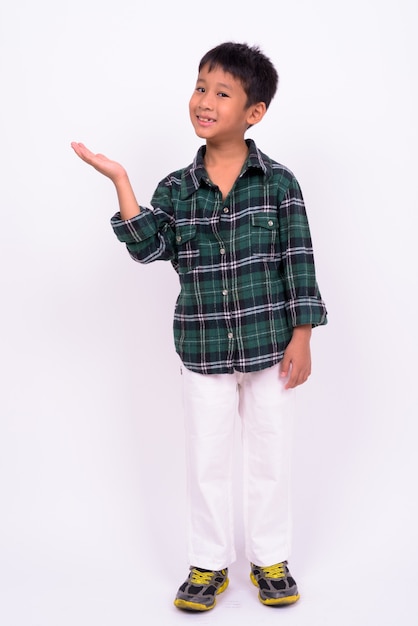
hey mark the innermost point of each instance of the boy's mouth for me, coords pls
(205, 120)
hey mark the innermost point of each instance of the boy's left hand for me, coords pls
(296, 363)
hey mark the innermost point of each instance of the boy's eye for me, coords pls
(223, 95)
(200, 89)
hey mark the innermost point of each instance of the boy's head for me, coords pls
(249, 65)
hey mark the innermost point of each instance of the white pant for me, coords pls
(266, 410)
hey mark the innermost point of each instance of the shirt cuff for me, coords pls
(138, 228)
(307, 311)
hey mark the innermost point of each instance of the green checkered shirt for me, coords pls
(245, 263)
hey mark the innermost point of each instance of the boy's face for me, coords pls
(218, 107)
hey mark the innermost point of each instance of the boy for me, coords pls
(233, 225)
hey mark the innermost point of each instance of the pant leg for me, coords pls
(210, 406)
(266, 410)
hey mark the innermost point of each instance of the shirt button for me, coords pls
(178, 238)
(270, 222)
(230, 335)
(226, 210)
(225, 292)
(222, 250)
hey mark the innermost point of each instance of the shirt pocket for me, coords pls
(265, 235)
(187, 248)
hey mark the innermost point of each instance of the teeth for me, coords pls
(205, 119)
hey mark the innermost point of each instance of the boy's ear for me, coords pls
(256, 113)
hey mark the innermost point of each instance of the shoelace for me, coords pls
(200, 578)
(274, 571)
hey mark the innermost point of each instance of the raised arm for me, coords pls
(128, 205)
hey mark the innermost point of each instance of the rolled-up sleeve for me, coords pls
(150, 235)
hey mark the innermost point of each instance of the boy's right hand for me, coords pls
(128, 205)
(100, 162)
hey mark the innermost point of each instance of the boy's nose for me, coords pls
(206, 102)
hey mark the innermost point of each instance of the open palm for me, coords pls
(100, 162)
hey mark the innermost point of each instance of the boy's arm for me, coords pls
(148, 235)
(296, 362)
(304, 304)
(128, 205)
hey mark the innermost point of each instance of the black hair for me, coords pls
(248, 64)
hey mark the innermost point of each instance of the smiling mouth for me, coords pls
(205, 120)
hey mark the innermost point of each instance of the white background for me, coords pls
(91, 435)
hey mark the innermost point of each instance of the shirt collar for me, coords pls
(194, 174)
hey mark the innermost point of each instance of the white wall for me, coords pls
(91, 442)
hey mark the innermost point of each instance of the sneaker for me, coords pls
(198, 592)
(276, 585)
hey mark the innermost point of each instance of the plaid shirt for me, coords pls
(245, 263)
